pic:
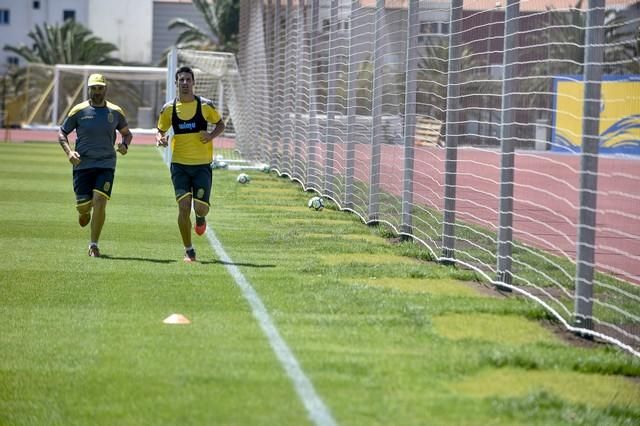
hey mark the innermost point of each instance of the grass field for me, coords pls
(383, 337)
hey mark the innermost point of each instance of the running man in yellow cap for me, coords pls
(192, 152)
(93, 156)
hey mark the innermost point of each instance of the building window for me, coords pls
(326, 25)
(36, 4)
(437, 28)
(4, 17)
(68, 14)
(12, 60)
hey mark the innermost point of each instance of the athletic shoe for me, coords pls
(94, 251)
(84, 219)
(201, 225)
(190, 255)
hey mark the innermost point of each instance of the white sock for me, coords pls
(93, 244)
(188, 248)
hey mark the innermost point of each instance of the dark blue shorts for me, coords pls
(86, 181)
(192, 180)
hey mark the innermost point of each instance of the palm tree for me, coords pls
(622, 55)
(431, 99)
(221, 17)
(69, 43)
(565, 52)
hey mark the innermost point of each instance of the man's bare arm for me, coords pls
(207, 137)
(161, 138)
(123, 146)
(72, 155)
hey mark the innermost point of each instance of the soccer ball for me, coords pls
(316, 203)
(218, 165)
(243, 178)
(266, 168)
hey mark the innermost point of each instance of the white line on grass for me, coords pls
(318, 412)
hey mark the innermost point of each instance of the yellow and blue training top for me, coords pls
(187, 120)
(96, 133)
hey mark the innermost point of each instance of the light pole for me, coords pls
(3, 123)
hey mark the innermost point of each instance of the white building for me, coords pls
(138, 28)
(125, 23)
(18, 17)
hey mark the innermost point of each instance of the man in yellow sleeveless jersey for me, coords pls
(192, 152)
(93, 157)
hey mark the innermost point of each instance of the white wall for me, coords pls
(125, 23)
(23, 19)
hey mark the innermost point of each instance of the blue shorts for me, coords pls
(86, 181)
(194, 180)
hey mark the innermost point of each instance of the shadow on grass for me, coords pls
(138, 259)
(204, 262)
(249, 265)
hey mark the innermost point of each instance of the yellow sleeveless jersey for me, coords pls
(187, 148)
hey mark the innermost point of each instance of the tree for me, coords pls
(564, 48)
(221, 34)
(69, 43)
(433, 66)
(622, 55)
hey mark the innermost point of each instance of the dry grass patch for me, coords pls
(499, 329)
(317, 221)
(272, 207)
(364, 258)
(367, 238)
(443, 287)
(581, 388)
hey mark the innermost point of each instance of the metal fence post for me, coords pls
(589, 165)
(351, 114)
(288, 122)
(411, 72)
(301, 95)
(172, 66)
(332, 100)
(268, 51)
(378, 75)
(276, 155)
(507, 141)
(314, 137)
(452, 120)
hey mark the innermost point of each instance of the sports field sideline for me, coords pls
(297, 317)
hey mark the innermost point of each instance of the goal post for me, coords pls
(51, 90)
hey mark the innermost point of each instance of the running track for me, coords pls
(546, 194)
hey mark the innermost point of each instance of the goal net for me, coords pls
(484, 130)
(50, 91)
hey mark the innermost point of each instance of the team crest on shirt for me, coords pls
(107, 186)
(110, 117)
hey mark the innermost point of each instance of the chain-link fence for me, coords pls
(504, 136)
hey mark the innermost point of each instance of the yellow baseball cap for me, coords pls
(97, 80)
